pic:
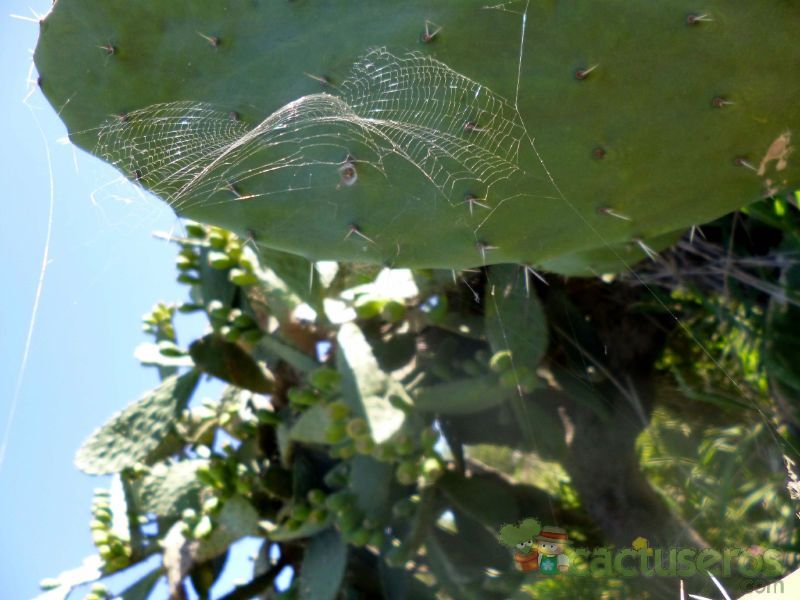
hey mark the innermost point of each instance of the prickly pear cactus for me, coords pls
(569, 136)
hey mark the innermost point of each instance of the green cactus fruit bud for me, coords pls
(242, 278)
(301, 512)
(243, 487)
(318, 515)
(194, 230)
(267, 417)
(185, 264)
(407, 472)
(205, 475)
(230, 334)
(302, 397)
(345, 451)
(99, 537)
(405, 507)
(364, 445)
(335, 433)
(501, 361)
(360, 537)
(217, 310)
(219, 260)
(384, 452)
(104, 550)
(168, 348)
(339, 501)
(369, 308)
(252, 336)
(217, 240)
(428, 438)
(96, 525)
(397, 557)
(117, 564)
(393, 311)
(188, 307)
(349, 519)
(400, 404)
(189, 279)
(403, 445)
(102, 514)
(432, 469)
(92, 596)
(337, 477)
(316, 497)
(357, 427)
(508, 379)
(325, 379)
(203, 528)
(247, 264)
(189, 515)
(99, 589)
(377, 539)
(212, 505)
(49, 583)
(293, 524)
(242, 321)
(338, 410)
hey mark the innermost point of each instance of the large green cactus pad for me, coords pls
(370, 132)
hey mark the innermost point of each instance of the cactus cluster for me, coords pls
(648, 118)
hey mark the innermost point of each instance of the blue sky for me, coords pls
(105, 270)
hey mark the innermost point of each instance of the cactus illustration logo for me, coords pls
(536, 547)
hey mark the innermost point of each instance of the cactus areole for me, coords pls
(569, 136)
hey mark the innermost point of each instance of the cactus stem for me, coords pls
(646, 249)
(584, 73)
(695, 19)
(108, 49)
(608, 211)
(355, 230)
(347, 172)
(212, 40)
(323, 79)
(719, 102)
(741, 161)
(427, 36)
(472, 202)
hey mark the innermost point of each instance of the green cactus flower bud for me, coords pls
(217, 240)
(318, 515)
(339, 501)
(49, 583)
(211, 505)
(349, 519)
(301, 512)
(396, 557)
(377, 539)
(194, 230)
(407, 472)
(338, 410)
(325, 379)
(336, 477)
(336, 433)
(252, 336)
(364, 445)
(316, 497)
(219, 260)
(302, 397)
(189, 279)
(403, 445)
(405, 507)
(203, 528)
(189, 515)
(393, 311)
(384, 453)
(360, 536)
(267, 417)
(428, 438)
(242, 278)
(293, 524)
(357, 427)
(242, 321)
(369, 309)
(432, 469)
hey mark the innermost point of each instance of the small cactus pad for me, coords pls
(355, 131)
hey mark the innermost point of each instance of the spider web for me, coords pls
(448, 126)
